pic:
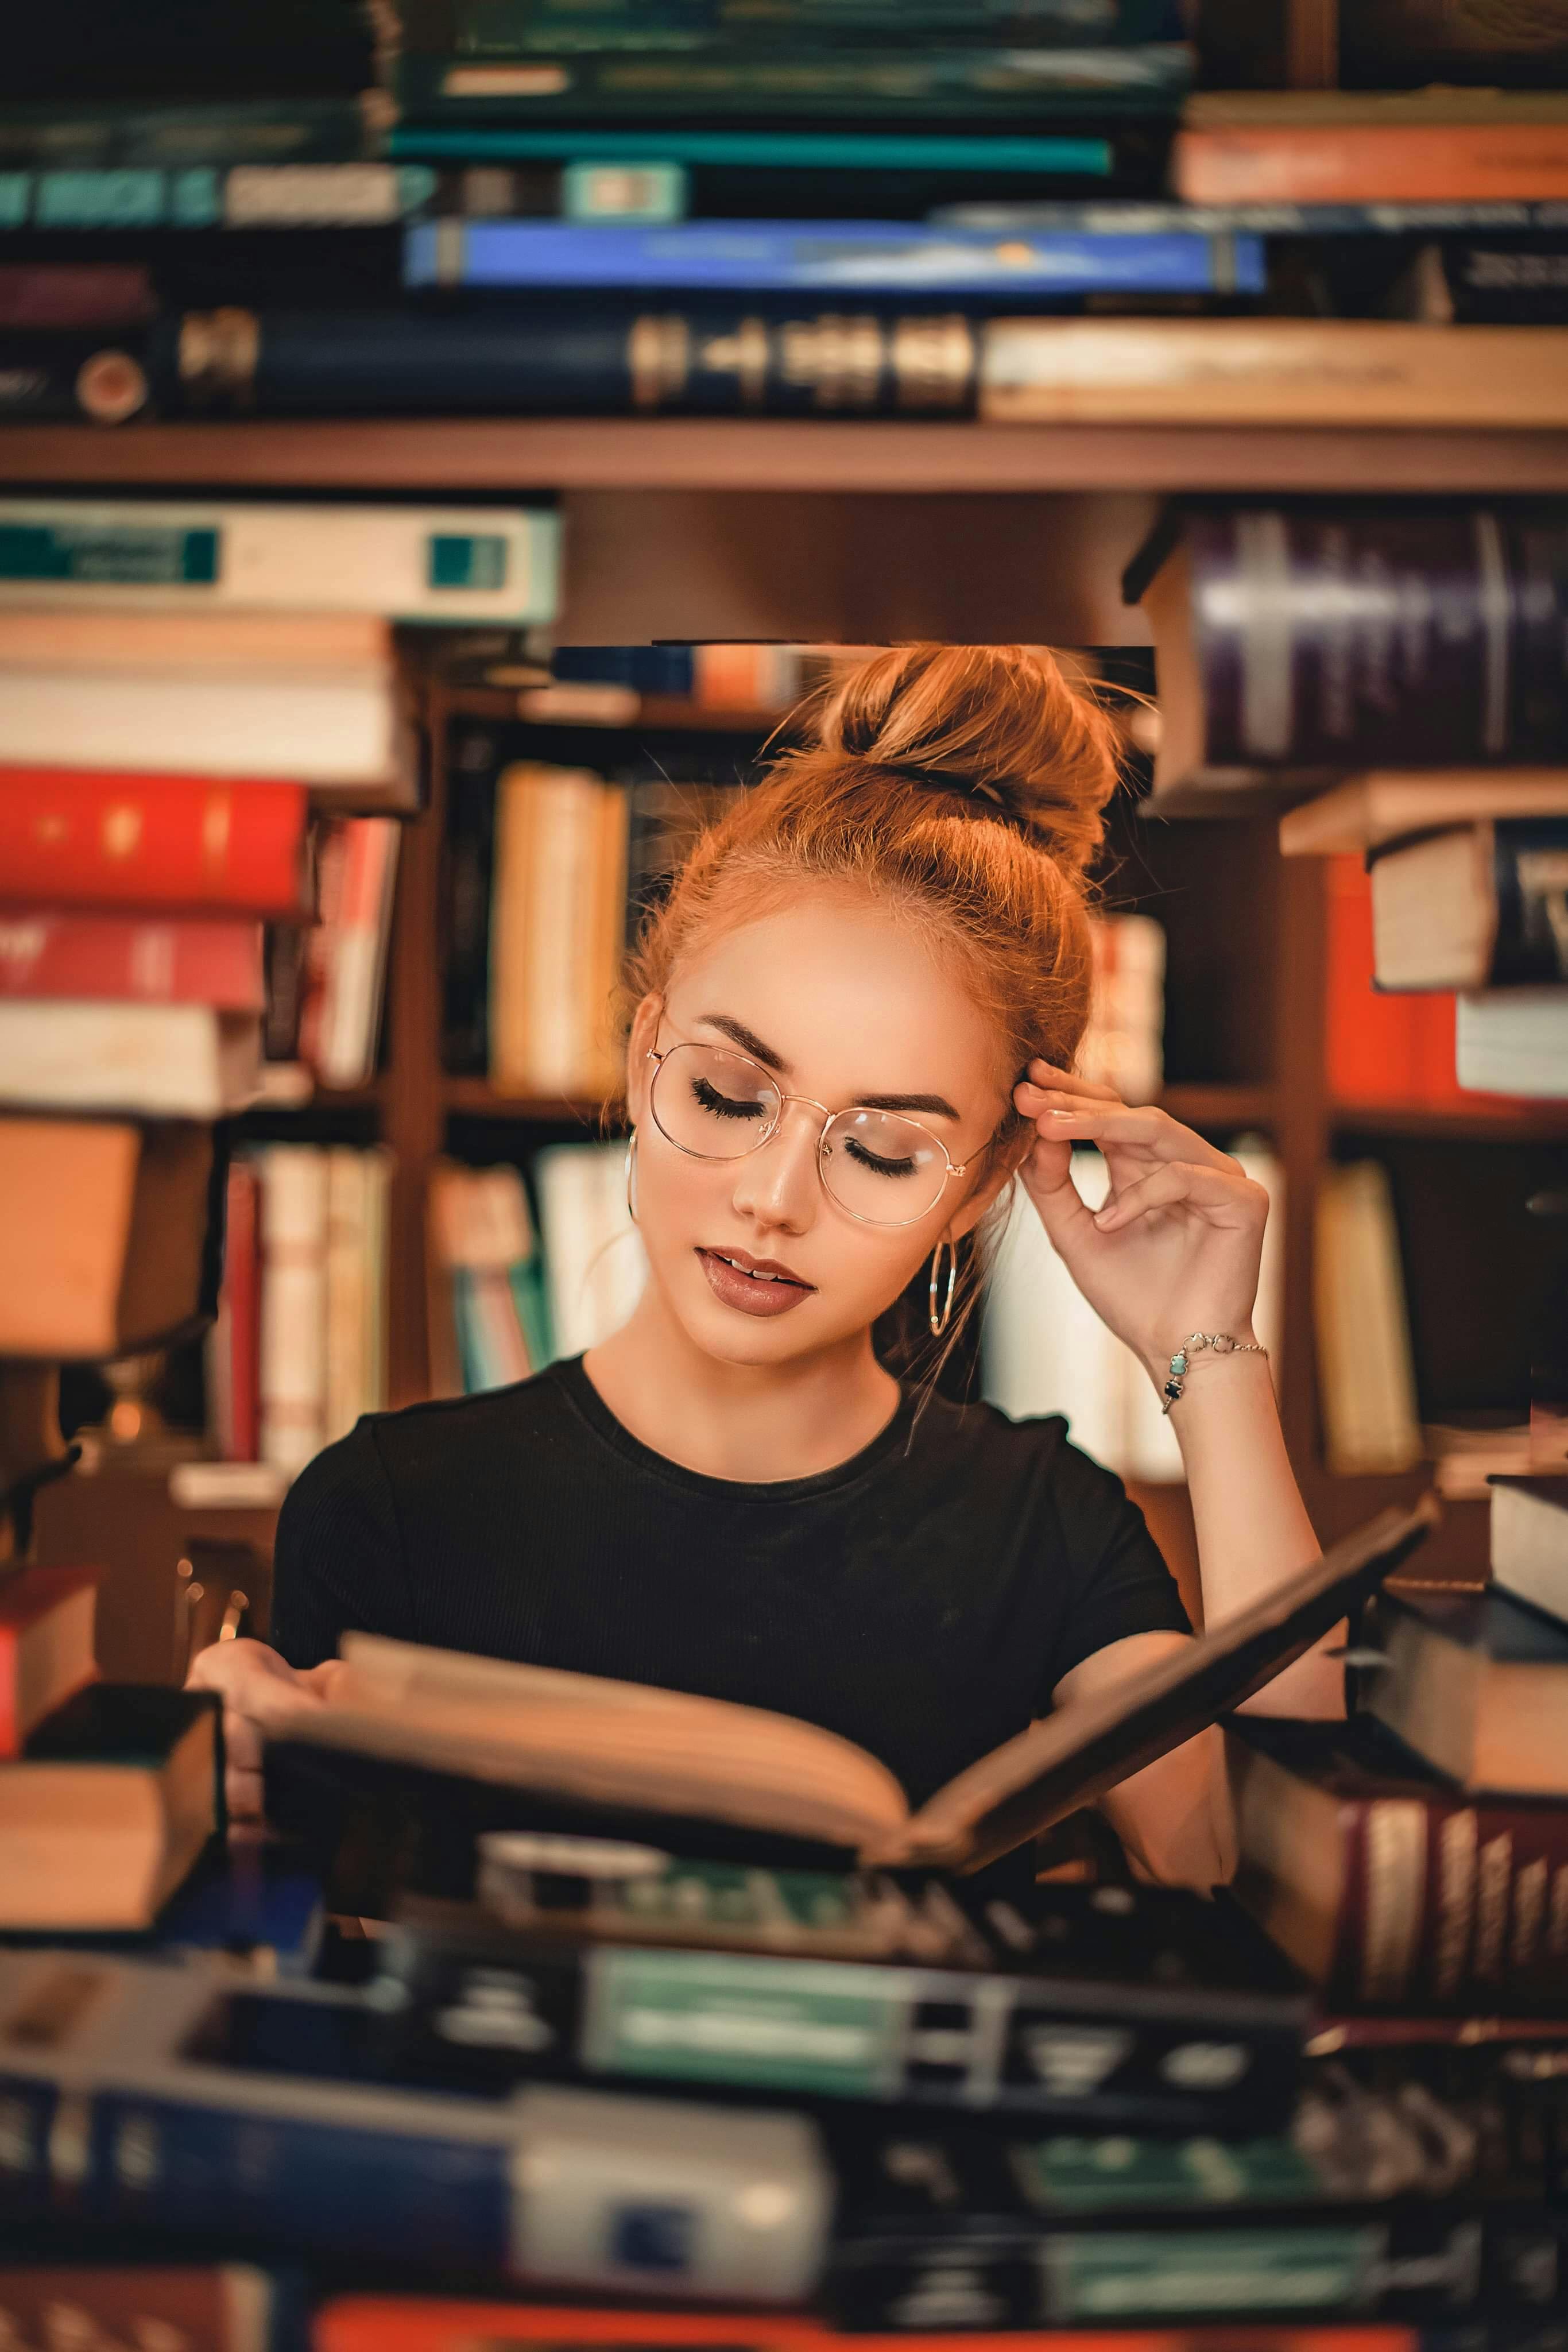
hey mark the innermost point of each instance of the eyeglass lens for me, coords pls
(720, 1106)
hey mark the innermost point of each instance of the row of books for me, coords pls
(1393, 680)
(299, 1349)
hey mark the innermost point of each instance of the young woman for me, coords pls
(851, 1024)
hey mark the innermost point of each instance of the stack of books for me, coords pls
(1392, 677)
(505, 205)
(881, 2100)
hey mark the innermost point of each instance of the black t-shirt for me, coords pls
(923, 1599)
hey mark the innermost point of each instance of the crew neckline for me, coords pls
(572, 1375)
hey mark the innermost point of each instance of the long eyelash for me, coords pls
(723, 1105)
(857, 1150)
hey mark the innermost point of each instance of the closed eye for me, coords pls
(723, 1105)
(855, 1150)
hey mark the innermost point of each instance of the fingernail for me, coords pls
(1104, 1217)
(1054, 1113)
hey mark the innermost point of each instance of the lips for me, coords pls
(754, 1286)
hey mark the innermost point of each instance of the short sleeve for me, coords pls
(1119, 1583)
(338, 1563)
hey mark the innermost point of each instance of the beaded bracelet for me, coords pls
(1195, 1341)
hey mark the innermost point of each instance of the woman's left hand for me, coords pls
(1175, 1247)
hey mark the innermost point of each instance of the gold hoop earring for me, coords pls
(631, 1175)
(939, 1322)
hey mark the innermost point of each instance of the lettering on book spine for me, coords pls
(1396, 1889)
(1456, 1902)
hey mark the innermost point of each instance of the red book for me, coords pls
(1393, 1052)
(242, 1315)
(186, 961)
(77, 837)
(46, 1646)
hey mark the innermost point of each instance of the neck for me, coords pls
(754, 1422)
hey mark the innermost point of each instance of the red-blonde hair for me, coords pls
(963, 785)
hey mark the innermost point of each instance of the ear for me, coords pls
(639, 1045)
(1004, 1165)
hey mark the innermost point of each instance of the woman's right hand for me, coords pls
(262, 1693)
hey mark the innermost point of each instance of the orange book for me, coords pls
(46, 1646)
(1393, 1052)
(1366, 163)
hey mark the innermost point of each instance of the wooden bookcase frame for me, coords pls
(413, 1099)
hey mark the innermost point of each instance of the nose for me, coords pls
(778, 1184)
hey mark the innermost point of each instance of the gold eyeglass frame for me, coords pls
(890, 1224)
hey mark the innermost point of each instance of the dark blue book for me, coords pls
(262, 2119)
(140, 133)
(574, 358)
(496, 28)
(849, 260)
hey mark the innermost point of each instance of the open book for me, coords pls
(629, 1745)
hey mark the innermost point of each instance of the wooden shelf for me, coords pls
(1220, 1105)
(1527, 1122)
(477, 1097)
(785, 454)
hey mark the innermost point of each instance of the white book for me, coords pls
(558, 930)
(1513, 1041)
(161, 1061)
(1043, 1348)
(594, 1264)
(293, 1351)
(412, 563)
(338, 730)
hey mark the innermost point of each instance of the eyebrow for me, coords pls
(749, 1042)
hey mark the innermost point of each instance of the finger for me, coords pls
(1227, 1199)
(241, 1741)
(244, 1794)
(1146, 1127)
(1047, 1177)
(1041, 1073)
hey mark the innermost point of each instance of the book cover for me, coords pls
(424, 563)
(1382, 162)
(161, 1061)
(75, 838)
(47, 953)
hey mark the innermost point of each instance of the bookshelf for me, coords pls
(1247, 1045)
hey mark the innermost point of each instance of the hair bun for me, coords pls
(999, 726)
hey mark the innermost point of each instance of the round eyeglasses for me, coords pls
(875, 1165)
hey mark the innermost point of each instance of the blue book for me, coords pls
(261, 2117)
(847, 257)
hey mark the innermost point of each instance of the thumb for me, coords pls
(1047, 1178)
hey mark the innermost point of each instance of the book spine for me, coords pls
(1098, 217)
(1413, 2263)
(798, 257)
(242, 1290)
(1046, 154)
(292, 1377)
(44, 376)
(128, 134)
(890, 84)
(308, 2183)
(842, 2030)
(1362, 662)
(210, 2307)
(473, 764)
(345, 1046)
(1452, 1907)
(74, 294)
(497, 27)
(616, 359)
(1389, 163)
(1244, 372)
(1506, 282)
(1530, 868)
(42, 953)
(417, 563)
(70, 837)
